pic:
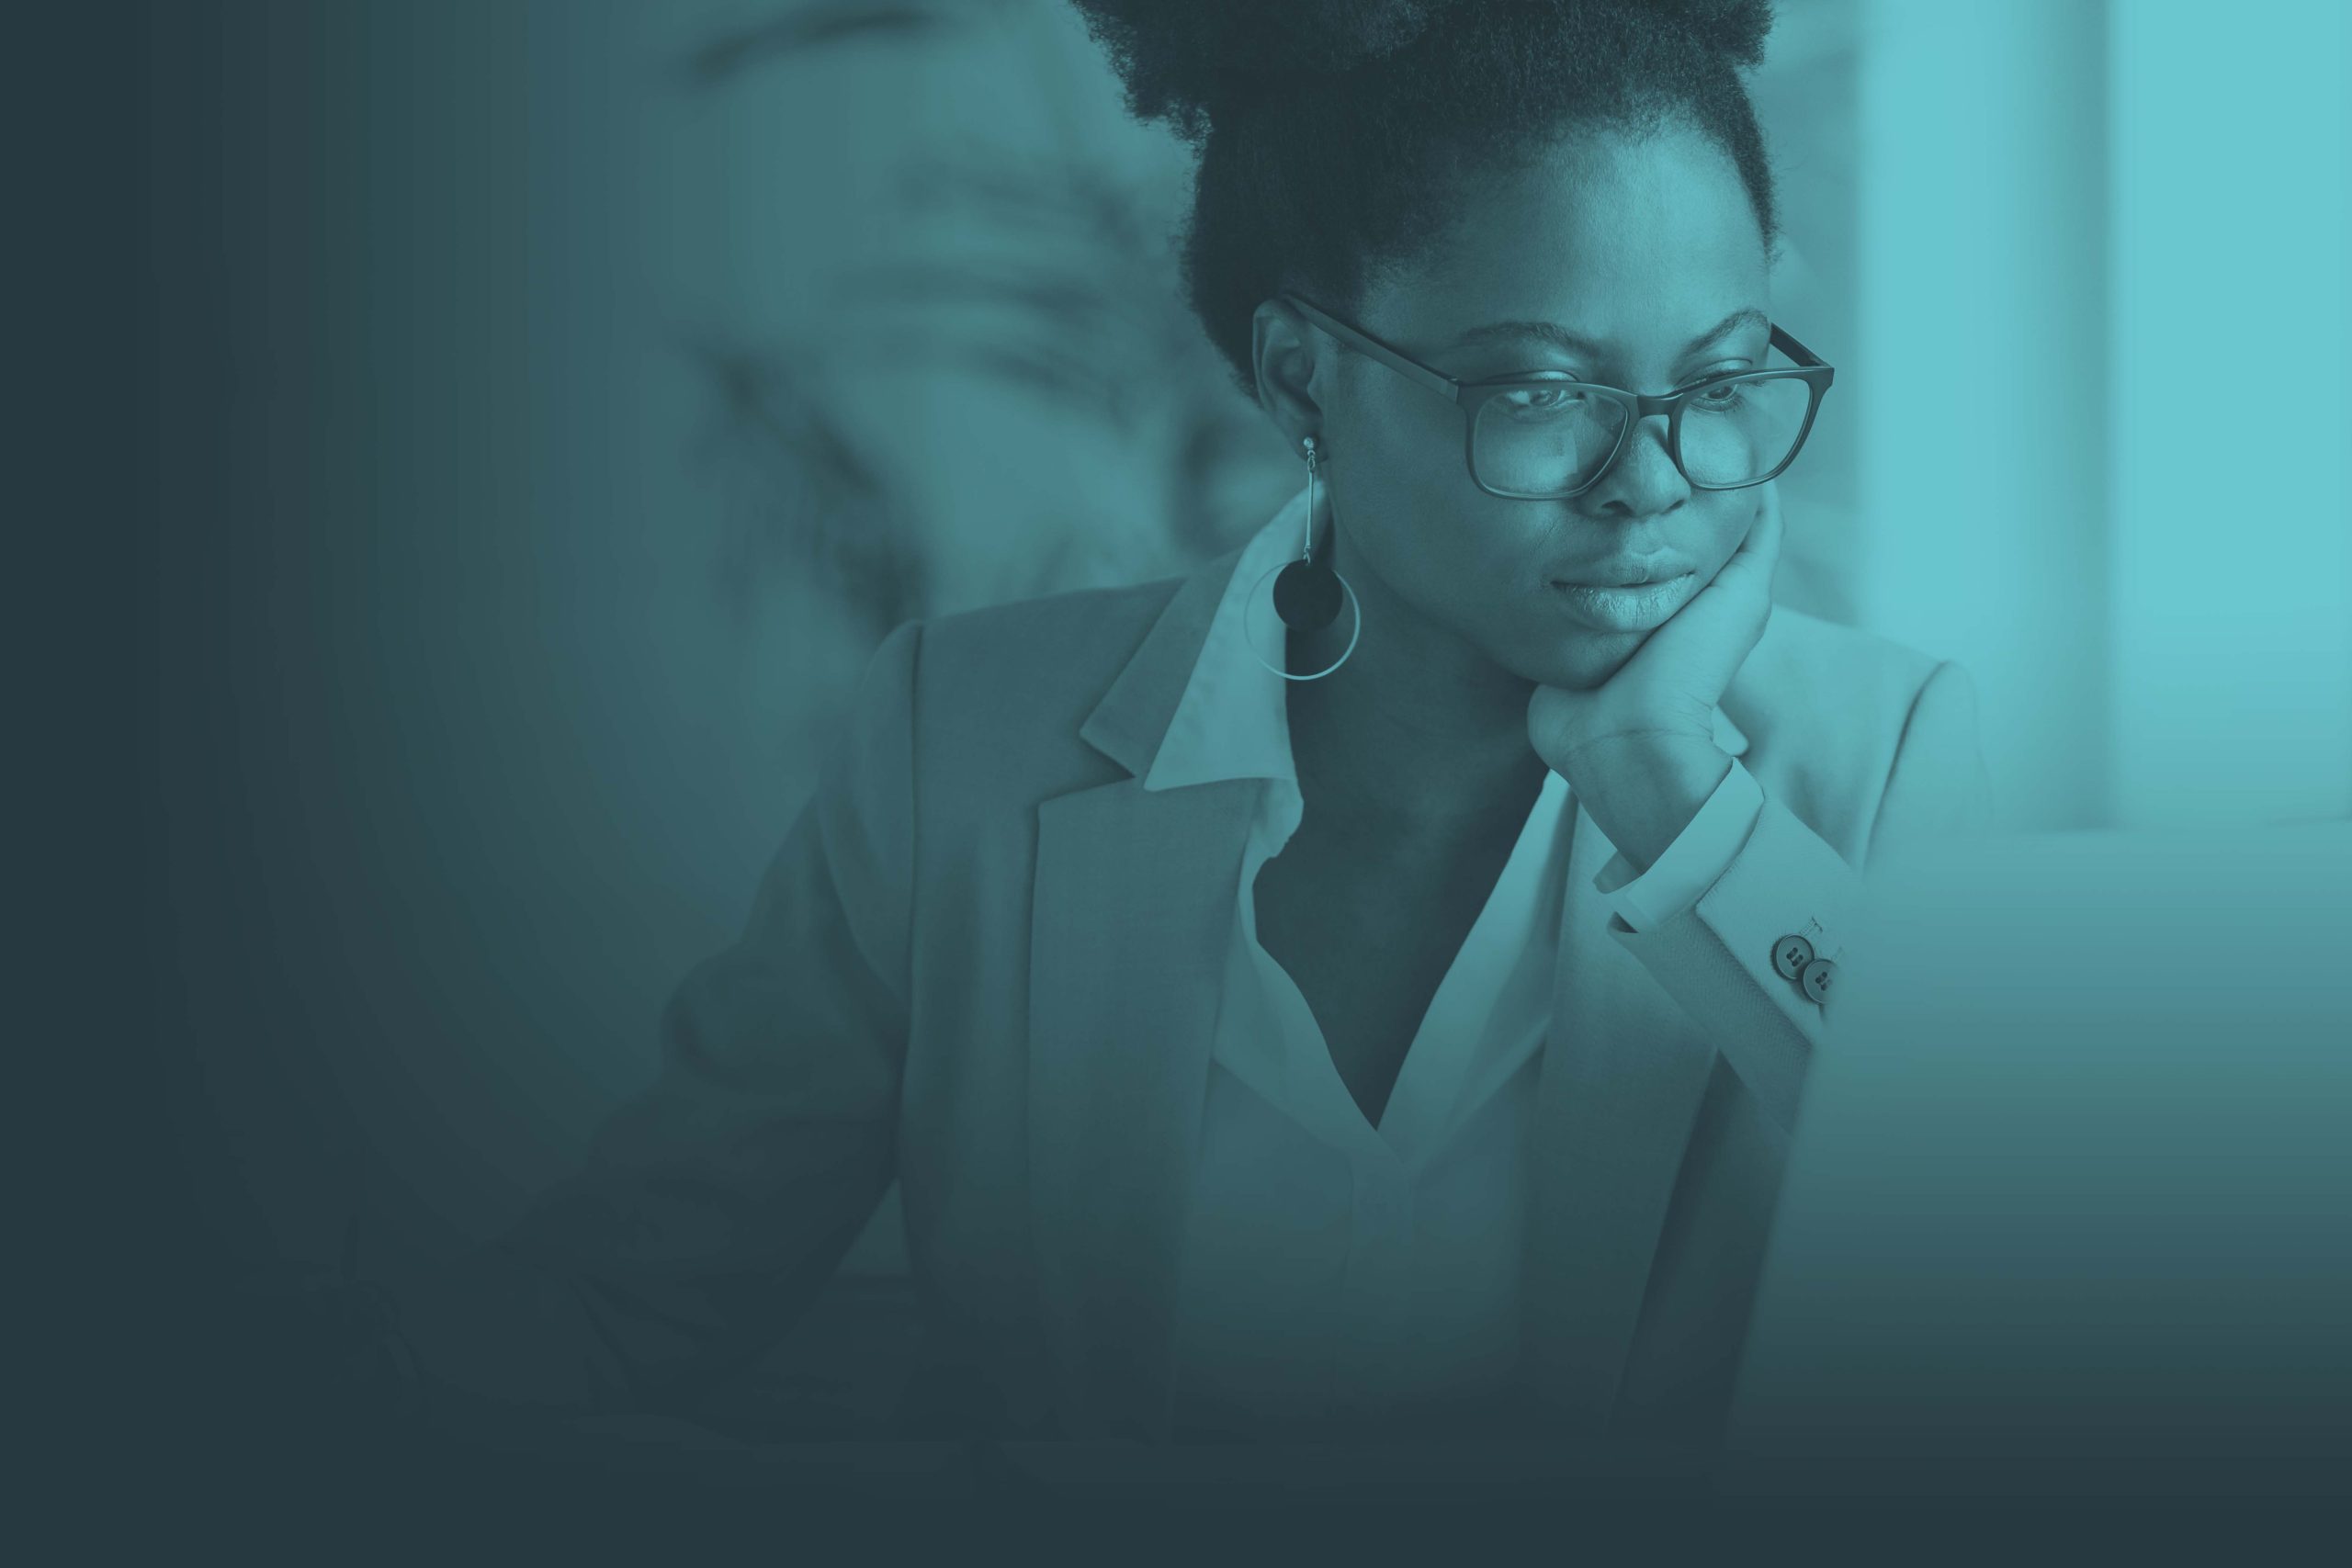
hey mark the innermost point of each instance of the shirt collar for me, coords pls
(1233, 721)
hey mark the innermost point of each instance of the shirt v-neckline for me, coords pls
(1487, 1015)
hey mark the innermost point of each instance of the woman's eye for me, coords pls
(1724, 397)
(1542, 399)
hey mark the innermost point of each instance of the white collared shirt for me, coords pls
(1336, 1275)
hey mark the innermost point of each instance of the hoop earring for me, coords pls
(1307, 593)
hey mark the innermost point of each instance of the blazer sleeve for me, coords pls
(715, 1203)
(1716, 957)
(1700, 854)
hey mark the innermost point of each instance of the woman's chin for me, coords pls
(1587, 664)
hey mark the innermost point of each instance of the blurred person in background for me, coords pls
(1361, 987)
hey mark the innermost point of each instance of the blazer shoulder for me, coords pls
(1069, 634)
(1824, 707)
(1862, 673)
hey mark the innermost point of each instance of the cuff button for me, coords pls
(1816, 978)
(1790, 955)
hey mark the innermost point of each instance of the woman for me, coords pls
(1364, 984)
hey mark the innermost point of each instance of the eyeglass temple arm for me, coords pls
(1803, 357)
(1364, 341)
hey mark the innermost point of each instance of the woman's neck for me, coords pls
(1416, 731)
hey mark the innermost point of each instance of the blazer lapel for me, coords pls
(1624, 1074)
(1132, 909)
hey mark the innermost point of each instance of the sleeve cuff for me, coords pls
(1717, 958)
(1691, 864)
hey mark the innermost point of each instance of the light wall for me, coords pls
(2107, 295)
(2229, 441)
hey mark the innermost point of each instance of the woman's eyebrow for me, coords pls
(1560, 337)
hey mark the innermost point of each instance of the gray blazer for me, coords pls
(985, 961)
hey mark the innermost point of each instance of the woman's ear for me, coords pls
(1291, 360)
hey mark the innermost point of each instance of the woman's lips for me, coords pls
(1635, 609)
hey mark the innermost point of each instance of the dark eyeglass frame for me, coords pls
(1470, 396)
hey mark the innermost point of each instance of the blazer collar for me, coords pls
(1233, 720)
(1129, 723)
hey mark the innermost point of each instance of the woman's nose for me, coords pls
(1643, 479)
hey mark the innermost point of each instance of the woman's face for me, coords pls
(1635, 250)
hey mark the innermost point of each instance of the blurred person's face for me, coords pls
(1638, 248)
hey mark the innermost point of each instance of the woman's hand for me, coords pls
(1639, 749)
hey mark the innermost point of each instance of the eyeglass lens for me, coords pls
(1551, 441)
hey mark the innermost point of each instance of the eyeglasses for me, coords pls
(1542, 436)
